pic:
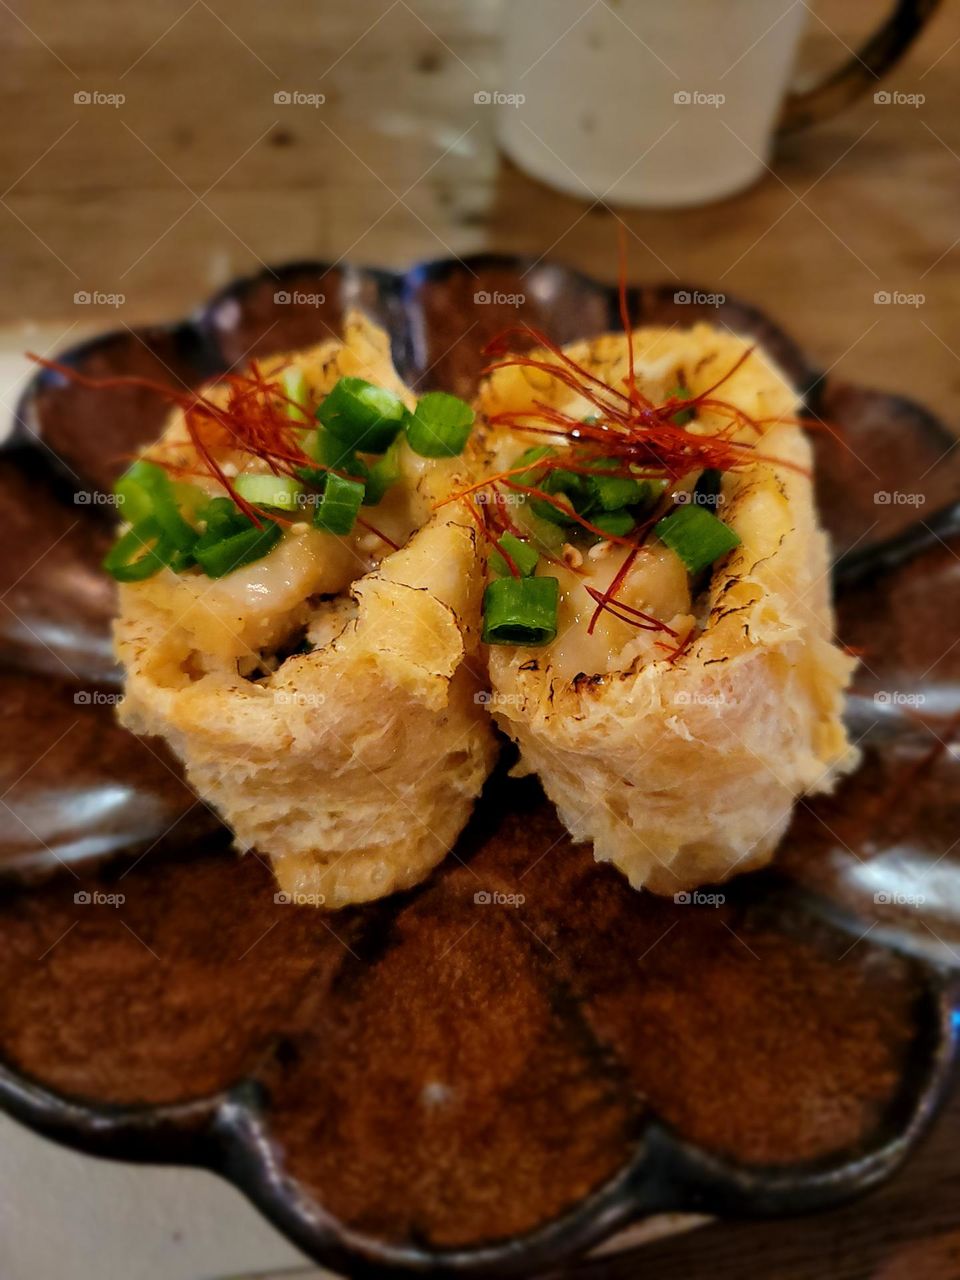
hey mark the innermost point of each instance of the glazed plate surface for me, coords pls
(498, 1070)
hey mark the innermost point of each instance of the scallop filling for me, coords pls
(266, 501)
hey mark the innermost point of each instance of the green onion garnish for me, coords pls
(439, 426)
(219, 558)
(146, 490)
(139, 553)
(267, 490)
(295, 389)
(339, 504)
(382, 474)
(523, 555)
(529, 456)
(612, 492)
(618, 523)
(520, 611)
(696, 535)
(682, 416)
(361, 415)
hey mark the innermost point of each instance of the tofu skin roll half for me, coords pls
(658, 610)
(301, 623)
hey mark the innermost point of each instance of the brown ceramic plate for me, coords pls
(495, 1071)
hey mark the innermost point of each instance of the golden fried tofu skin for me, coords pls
(658, 612)
(301, 624)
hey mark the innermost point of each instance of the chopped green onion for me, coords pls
(439, 426)
(682, 416)
(267, 490)
(611, 492)
(618, 523)
(133, 492)
(139, 553)
(696, 535)
(339, 504)
(706, 492)
(295, 389)
(220, 557)
(529, 456)
(361, 415)
(520, 611)
(382, 474)
(565, 514)
(147, 490)
(191, 500)
(523, 555)
(222, 518)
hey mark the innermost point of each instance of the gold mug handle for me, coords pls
(880, 52)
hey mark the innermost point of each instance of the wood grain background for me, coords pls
(199, 175)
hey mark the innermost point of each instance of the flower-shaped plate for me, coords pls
(494, 1072)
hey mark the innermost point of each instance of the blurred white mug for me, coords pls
(667, 102)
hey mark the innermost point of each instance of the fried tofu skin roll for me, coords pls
(658, 614)
(301, 624)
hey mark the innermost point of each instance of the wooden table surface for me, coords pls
(198, 175)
